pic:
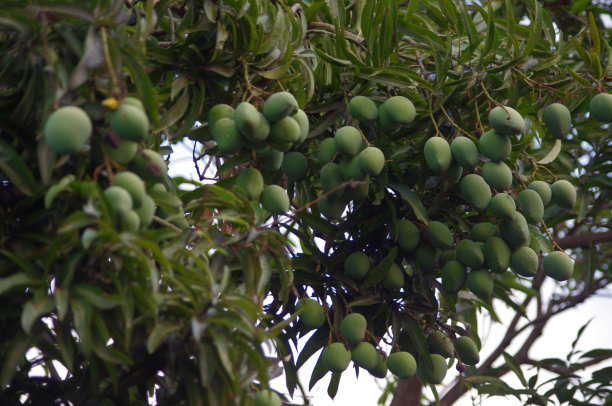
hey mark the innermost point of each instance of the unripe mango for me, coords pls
(507, 121)
(476, 191)
(437, 154)
(480, 283)
(131, 221)
(601, 107)
(394, 279)
(284, 132)
(275, 200)
(227, 137)
(515, 232)
(133, 101)
(558, 265)
(146, 211)
(524, 261)
(363, 109)
(331, 208)
(402, 364)
(312, 314)
(446, 255)
(219, 111)
(467, 350)
(266, 397)
(331, 178)
(372, 161)
(497, 254)
(149, 165)
(119, 200)
(407, 235)
(280, 105)
(470, 254)
(353, 328)
(295, 166)
(130, 122)
(438, 235)
(251, 182)
(481, 232)
(543, 190)
(364, 355)
(498, 175)
(435, 373)
(400, 110)
(495, 146)
(558, 120)
(326, 150)
(348, 140)
(503, 206)
(67, 130)
(132, 184)
(380, 370)
(360, 191)
(260, 134)
(440, 343)
(563, 194)
(426, 257)
(336, 357)
(453, 276)
(246, 119)
(531, 206)
(122, 153)
(271, 158)
(351, 169)
(464, 152)
(302, 119)
(384, 121)
(357, 265)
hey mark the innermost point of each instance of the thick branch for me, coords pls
(407, 392)
(584, 240)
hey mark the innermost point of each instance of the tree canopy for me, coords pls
(378, 172)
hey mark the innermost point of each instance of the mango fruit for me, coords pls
(363, 109)
(246, 119)
(437, 154)
(275, 200)
(498, 175)
(227, 136)
(503, 206)
(357, 265)
(119, 200)
(524, 261)
(426, 257)
(480, 283)
(495, 146)
(149, 165)
(481, 232)
(122, 153)
(531, 206)
(131, 222)
(372, 161)
(380, 370)
(336, 357)
(408, 235)
(435, 373)
(558, 265)
(394, 279)
(402, 364)
(543, 190)
(133, 184)
(284, 133)
(384, 121)
(440, 343)
(271, 158)
(353, 328)
(351, 169)
(133, 101)
(497, 254)
(558, 120)
(130, 122)
(464, 152)
(476, 191)
(217, 112)
(348, 140)
(453, 276)
(601, 107)
(438, 235)
(563, 194)
(326, 150)
(67, 129)
(251, 182)
(312, 314)
(146, 211)
(280, 105)
(506, 121)
(400, 110)
(364, 355)
(331, 208)
(515, 232)
(470, 254)
(331, 178)
(467, 350)
(295, 166)
(266, 397)
(302, 119)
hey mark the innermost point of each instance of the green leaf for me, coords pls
(95, 296)
(57, 189)
(16, 170)
(34, 309)
(535, 30)
(595, 41)
(81, 313)
(160, 332)
(14, 354)
(377, 274)
(334, 382)
(318, 372)
(598, 352)
(18, 280)
(314, 344)
(515, 367)
(468, 23)
(413, 200)
(174, 113)
(552, 154)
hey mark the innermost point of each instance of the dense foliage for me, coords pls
(200, 302)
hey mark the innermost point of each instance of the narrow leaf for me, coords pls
(16, 170)
(515, 367)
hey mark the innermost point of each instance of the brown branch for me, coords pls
(584, 240)
(407, 392)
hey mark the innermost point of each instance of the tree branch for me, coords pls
(584, 240)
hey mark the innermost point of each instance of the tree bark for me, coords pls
(407, 392)
(584, 240)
